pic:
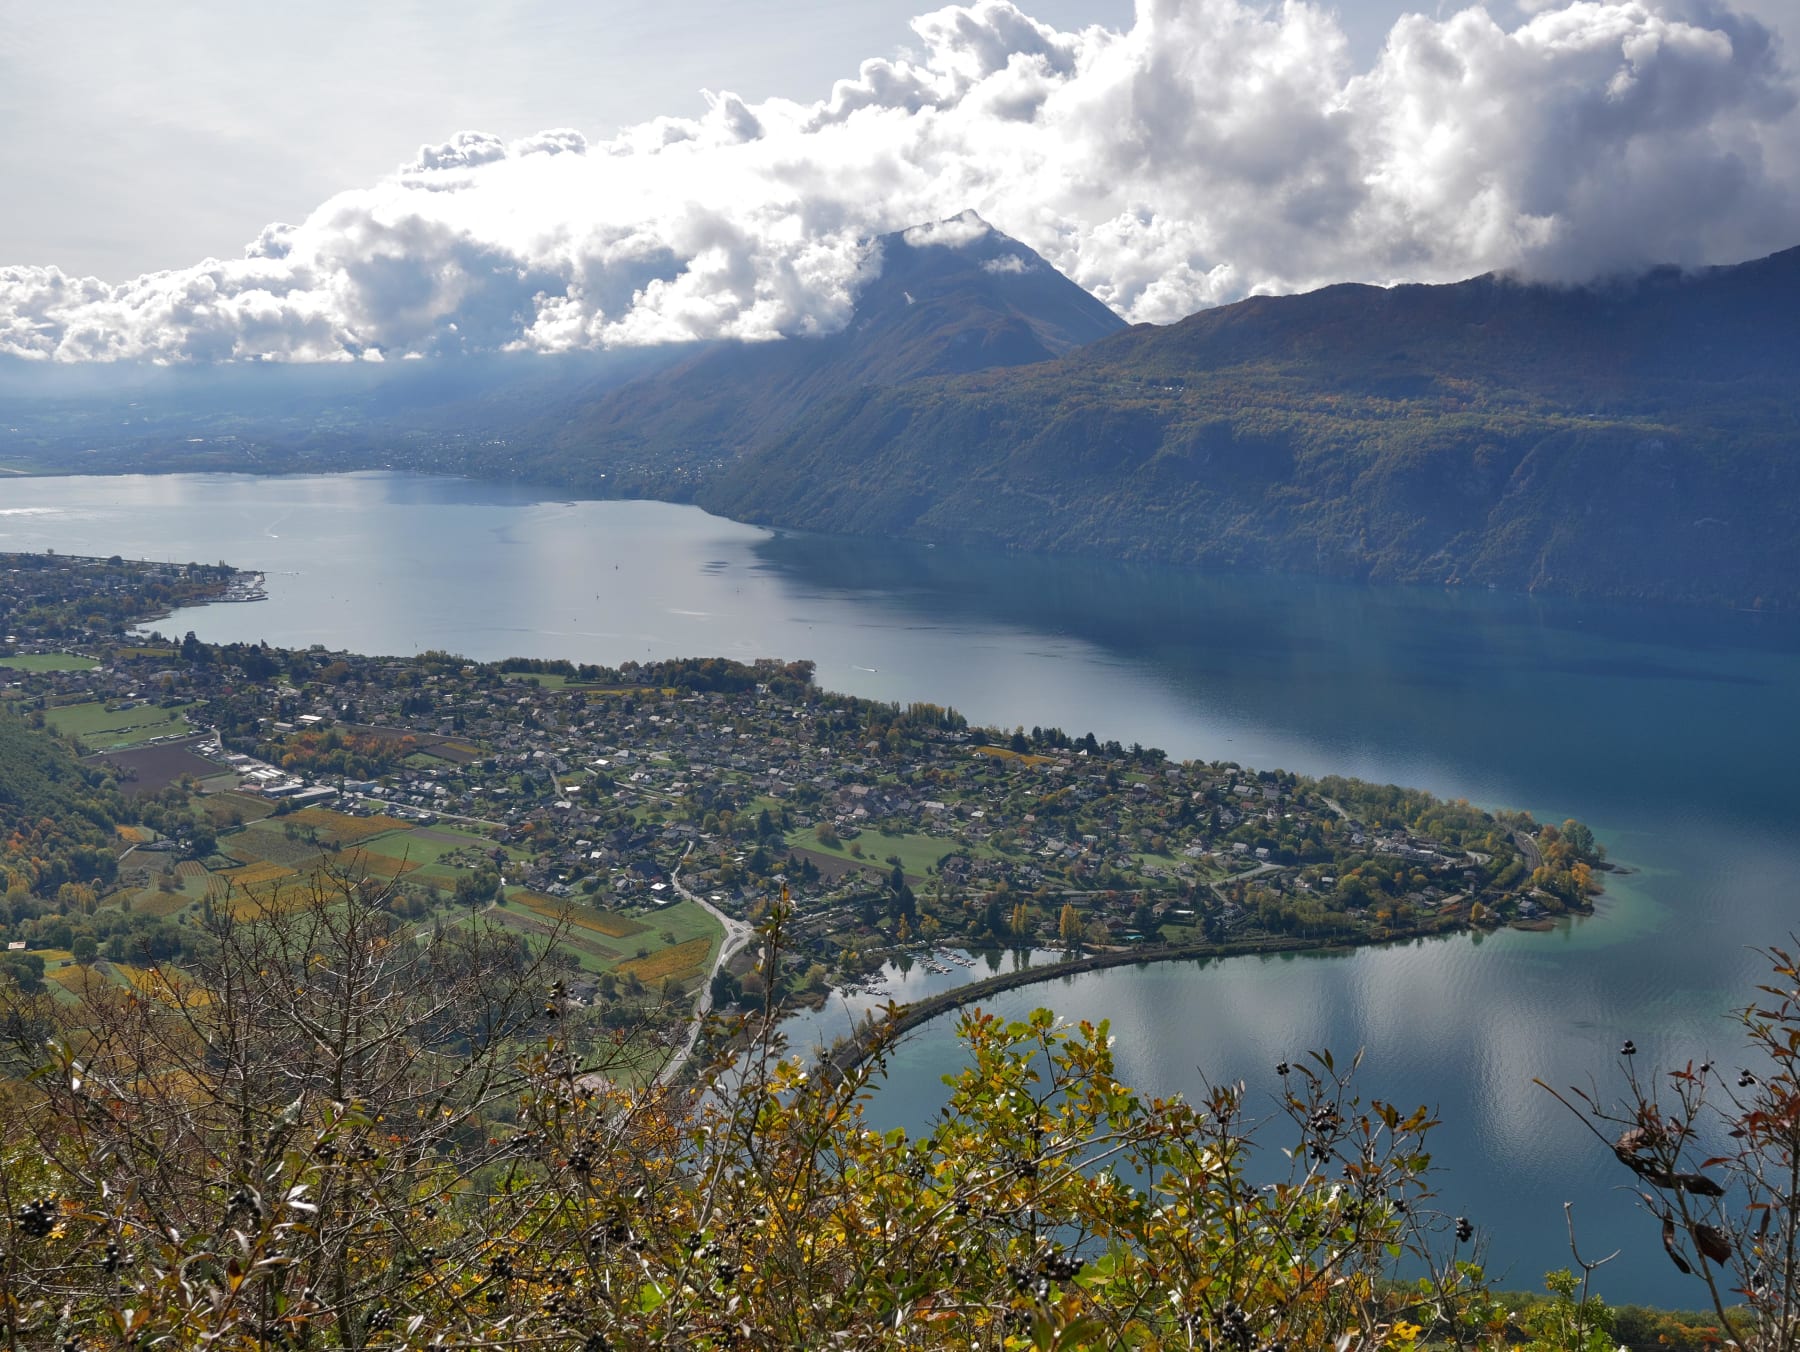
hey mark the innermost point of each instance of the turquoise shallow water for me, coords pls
(1673, 733)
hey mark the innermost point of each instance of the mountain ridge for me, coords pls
(1634, 439)
(949, 298)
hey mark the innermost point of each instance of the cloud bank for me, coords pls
(1213, 151)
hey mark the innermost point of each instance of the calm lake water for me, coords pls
(1675, 734)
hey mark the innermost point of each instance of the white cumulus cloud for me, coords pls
(1212, 151)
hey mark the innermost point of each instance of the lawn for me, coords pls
(683, 921)
(916, 850)
(426, 844)
(101, 729)
(48, 662)
(1003, 753)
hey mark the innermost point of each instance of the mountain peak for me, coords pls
(956, 232)
(943, 298)
(957, 295)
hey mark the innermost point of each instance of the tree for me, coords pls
(316, 1078)
(1068, 926)
(1715, 1159)
(1580, 839)
(25, 970)
(84, 949)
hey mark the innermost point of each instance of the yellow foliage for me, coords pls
(683, 960)
(343, 828)
(583, 917)
(256, 875)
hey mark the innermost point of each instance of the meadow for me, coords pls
(101, 729)
(48, 662)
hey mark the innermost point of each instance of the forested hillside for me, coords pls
(946, 300)
(1632, 440)
(56, 819)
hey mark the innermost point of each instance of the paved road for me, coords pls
(737, 936)
(1264, 867)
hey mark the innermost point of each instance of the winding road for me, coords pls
(737, 936)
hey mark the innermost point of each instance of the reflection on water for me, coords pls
(1672, 732)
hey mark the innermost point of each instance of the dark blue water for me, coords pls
(1673, 733)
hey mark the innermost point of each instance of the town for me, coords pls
(638, 822)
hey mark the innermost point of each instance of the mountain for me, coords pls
(950, 298)
(1636, 438)
(947, 298)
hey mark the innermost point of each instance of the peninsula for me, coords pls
(625, 817)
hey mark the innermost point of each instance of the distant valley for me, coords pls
(1632, 439)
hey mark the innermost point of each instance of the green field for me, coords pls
(48, 662)
(100, 729)
(673, 925)
(422, 848)
(916, 851)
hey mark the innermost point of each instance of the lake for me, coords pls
(1674, 733)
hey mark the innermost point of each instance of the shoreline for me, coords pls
(871, 1033)
(554, 490)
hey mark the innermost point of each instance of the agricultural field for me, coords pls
(832, 865)
(590, 952)
(420, 848)
(228, 808)
(154, 901)
(679, 963)
(255, 877)
(71, 977)
(678, 941)
(546, 680)
(149, 769)
(280, 851)
(454, 751)
(102, 729)
(269, 842)
(342, 827)
(608, 923)
(360, 859)
(48, 662)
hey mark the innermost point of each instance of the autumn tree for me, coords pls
(1714, 1156)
